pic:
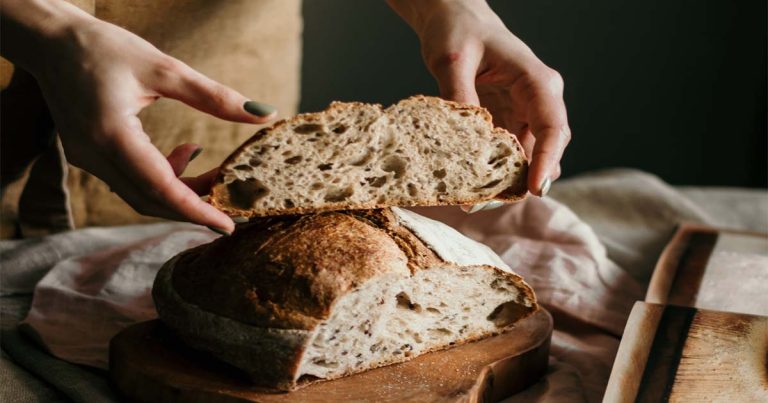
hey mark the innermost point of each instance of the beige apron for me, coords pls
(253, 46)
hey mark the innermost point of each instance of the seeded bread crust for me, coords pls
(254, 299)
(228, 199)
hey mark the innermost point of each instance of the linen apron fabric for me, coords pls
(253, 46)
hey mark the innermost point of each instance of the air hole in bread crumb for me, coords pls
(441, 332)
(518, 164)
(412, 190)
(376, 182)
(490, 184)
(363, 159)
(339, 129)
(242, 167)
(337, 195)
(464, 113)
(308, 128)
(433, 310)
(244, 193)
(254, 162)
(501, 151)
(323, 363)
(288, 203)
(404, 302)
(325, 167)
(442, 187)
(506, 313)
(394, 164)
(293, 160)
(316, 186)
(389, 144)
(439, 173)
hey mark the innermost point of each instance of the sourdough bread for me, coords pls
(420, 151)
(293, 299)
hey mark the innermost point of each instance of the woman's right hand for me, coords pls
(96, 77)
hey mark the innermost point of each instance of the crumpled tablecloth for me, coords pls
(588, 263)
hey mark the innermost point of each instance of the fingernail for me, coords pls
(240, 219)
(493, 204)
(545, 185)
(195, 154)
(473, 208)
(258, 109)
(220, 231)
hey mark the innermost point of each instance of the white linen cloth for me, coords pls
(89, 296)
(85, 300)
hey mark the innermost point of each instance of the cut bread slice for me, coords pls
(294, 299)
(420, 151)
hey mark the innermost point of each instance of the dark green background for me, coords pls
(677, 88)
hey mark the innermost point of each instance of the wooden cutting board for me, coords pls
(712, 268)
(702, 332)
(148, 364)
(683, 354)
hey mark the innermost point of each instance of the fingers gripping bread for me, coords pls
(420, 151)
(296, 298)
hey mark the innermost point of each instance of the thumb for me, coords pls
(455, 73)
(187, 85)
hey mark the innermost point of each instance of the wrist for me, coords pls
(418, 14)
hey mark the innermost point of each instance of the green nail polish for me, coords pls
(195, 154)
(220, 231)
(545, 186)
(258, 109)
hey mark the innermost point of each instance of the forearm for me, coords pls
(417, 13)
(31, 27)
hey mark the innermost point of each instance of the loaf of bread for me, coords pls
(420, 151)
(294, 299)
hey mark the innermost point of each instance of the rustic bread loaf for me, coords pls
(421, 151)
(293, 299)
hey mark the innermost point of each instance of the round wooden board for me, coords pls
(148, 364)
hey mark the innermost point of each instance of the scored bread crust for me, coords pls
(276, 279)
(221, 199)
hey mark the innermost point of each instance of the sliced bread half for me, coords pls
(422, 151)
(293, 299)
